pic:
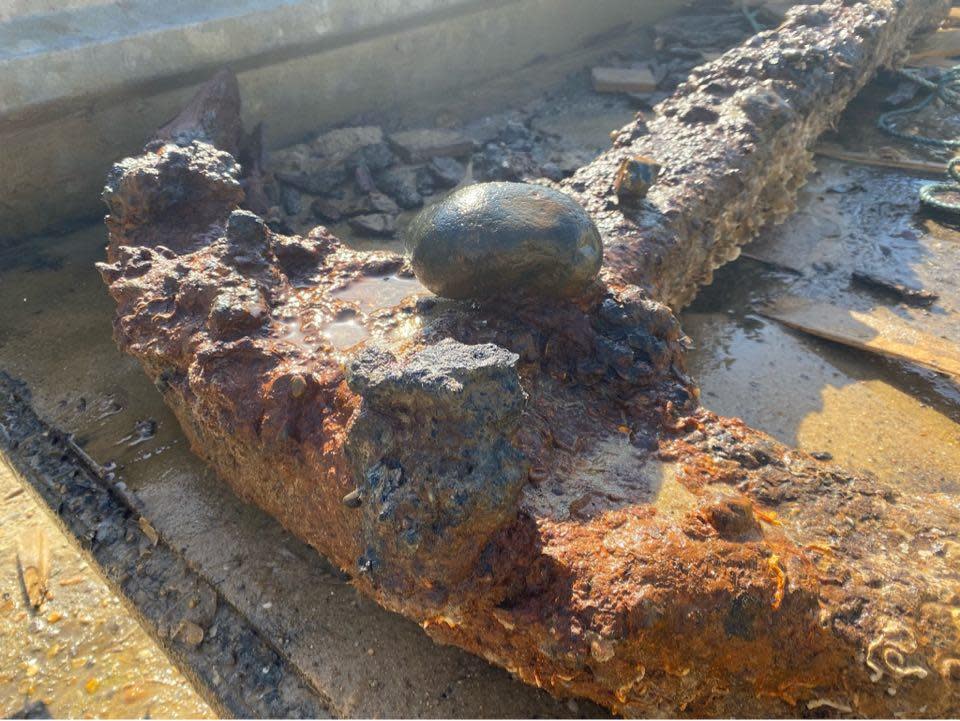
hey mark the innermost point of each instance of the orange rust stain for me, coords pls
(780, 577)
(770, 517)
(786, 692)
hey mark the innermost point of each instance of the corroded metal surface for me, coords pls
(735, 142)
(535, 481)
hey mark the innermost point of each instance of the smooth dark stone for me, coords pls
(495, 239)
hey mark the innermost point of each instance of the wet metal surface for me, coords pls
(55, 334)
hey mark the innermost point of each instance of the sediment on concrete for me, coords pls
(735, 142)
(232, 665)
(582, 510)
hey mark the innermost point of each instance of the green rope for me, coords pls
(947, 89)
(751, 17)
(930, 191)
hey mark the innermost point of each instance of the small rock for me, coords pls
(380, 203)
(448, 172)
(326, 209)
(290, 199)
(425, 185)
(190, 633)
(363, 178)
(353, 499)
(335, 146)
(296, 254)
(498, 162)
(497, 238)
(517, 135)
(634, 178)
(350, 203)
(733, 519)
(378, 224)
(624, 80)
(32, 710)
(297, 167)
(400, 183)
(377, 156)
(246, 231)
(420, 145)
(33, 561)
(149, 531)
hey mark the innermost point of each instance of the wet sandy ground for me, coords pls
(881, 416)
(81, 654)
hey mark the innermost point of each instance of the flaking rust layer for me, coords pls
(535, 481)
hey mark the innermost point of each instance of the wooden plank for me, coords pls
(883, 158)
(624, 80)
(878, 331)
(941, 44)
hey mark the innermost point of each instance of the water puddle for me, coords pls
(371, 294)
(345, 334)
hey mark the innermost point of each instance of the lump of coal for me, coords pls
(493, 239)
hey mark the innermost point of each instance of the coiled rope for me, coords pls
(947, 89)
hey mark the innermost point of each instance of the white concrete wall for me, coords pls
(14, 8)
